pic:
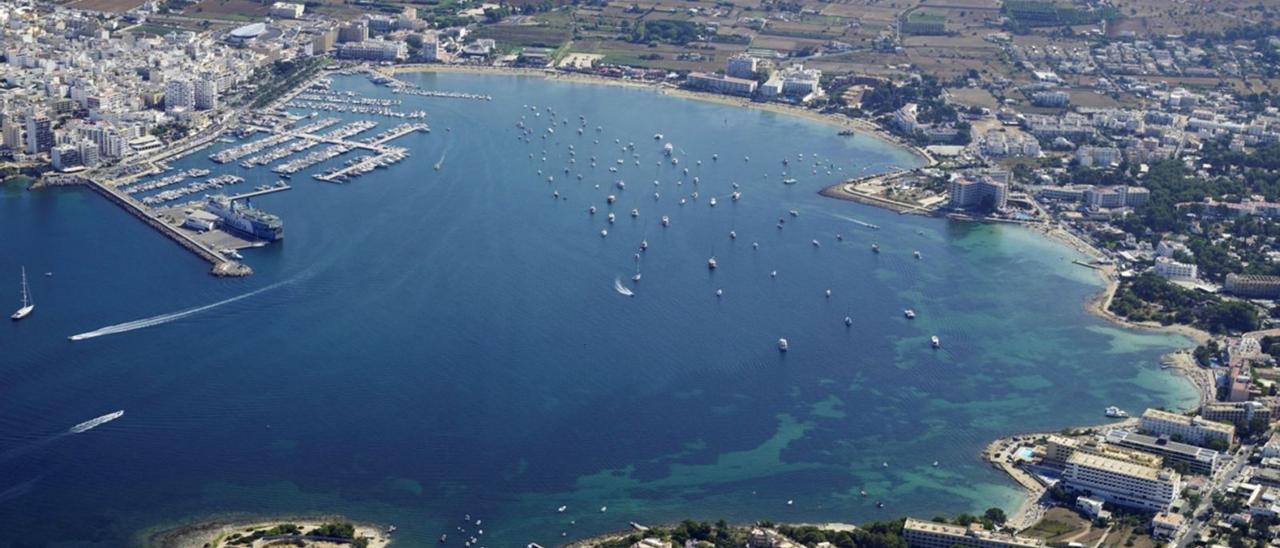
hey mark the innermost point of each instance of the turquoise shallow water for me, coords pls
(436, 343)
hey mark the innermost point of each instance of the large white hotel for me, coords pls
(1122, 483)
(1192, 430)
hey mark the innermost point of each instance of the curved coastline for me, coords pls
(208, 531)
(1095, 305)
(861, 127)
(1179, 361)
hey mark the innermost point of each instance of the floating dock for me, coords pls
(262, 192)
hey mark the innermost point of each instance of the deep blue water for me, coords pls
(434, 343)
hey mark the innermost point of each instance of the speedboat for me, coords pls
(909, 313)
(711, 263)
(782, 345)
(713, 201)
(935, 341)
(875, 248)
(917, 254)
(644, 244)
(666, 221)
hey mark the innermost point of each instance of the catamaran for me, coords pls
(27, 304)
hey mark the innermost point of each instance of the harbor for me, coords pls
(217, 224)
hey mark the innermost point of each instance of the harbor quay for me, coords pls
(222, 266)
(218, 225)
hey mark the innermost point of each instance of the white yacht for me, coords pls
(711, 263)
(917, 254)
(782, 345)
(27, 304)
(937, 343)
(1116, 412)
(713, 201)
(666, 221)
(909, 313)
(644, 244)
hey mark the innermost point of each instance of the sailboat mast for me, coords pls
(26, 295)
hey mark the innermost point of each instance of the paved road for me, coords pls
(1218, 482)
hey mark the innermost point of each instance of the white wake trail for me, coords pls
(166, 318)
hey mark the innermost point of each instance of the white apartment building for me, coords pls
(179, 93)
(206, 93)
(1122, 483)
(742, 66)
(373, 50)
(1173, 270)
(721, 84)
(1192, 430)
(287, 10)
(927, 534)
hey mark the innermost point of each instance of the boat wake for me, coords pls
(855, 221)
(166, 318)
(95, 422)
(622, 289)
(440, 163)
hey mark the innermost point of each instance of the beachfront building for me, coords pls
(794, 82)
(39, 133)
(1239, 413)
(1192, 430)
(1058, 450)
(1253, 286)
(1116, 196)
(1173, 270)
(742, 66)
(721, 84)
(1122, 483)
(977, 191)
(373, 50)
(1197, 460)
(928, 534)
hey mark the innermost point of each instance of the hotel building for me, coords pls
(1192, 430)
(1122, 483)
(927, 534)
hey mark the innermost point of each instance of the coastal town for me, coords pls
(1145, 137)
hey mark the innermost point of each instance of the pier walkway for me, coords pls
(257, 193)
(221, 265)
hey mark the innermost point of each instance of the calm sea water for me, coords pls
(429, 344)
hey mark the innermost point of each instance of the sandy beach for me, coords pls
(863, 127)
